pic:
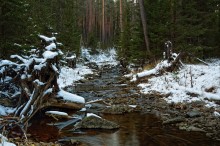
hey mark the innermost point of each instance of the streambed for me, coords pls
(136, 128)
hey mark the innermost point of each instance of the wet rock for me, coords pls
(193, 114)
(174, 120)
(195, 129)
(97, 123)
(210, 134)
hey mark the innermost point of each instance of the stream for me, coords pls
(136, 128)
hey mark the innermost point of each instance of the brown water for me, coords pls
(136, 130)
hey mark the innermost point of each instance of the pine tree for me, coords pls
(12, 26)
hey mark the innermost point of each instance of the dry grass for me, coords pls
(151, 65)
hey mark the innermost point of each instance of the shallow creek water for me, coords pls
(136, 129)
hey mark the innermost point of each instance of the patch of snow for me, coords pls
(133, 106)
(71, 57)
(38, 82)
(55, 68)
(47, 39)
(217, 114)
(49, 54)
(3, 138)
(51, 47)
(5, 143)
(20, 58)
(107, 57)
(92, 101)
(68, 75)
(155, 70)
(134, 78)
(88, 105)
(40, 66)
(92, 115)
(128, 75)
(48, 91)
(201, 80)
(6, 110)
(83, 110)
(56, 113)
(70, 97)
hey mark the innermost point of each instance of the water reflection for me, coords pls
(139, 130)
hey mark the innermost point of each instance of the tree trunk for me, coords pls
(144, 24)
(103, 21)
(121, 17)
(173, 20)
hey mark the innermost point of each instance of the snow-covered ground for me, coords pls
(190, 83)
(68, 75)
(106, 57)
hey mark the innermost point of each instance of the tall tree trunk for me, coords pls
(173, 20)
(144, 24)
(103, 21)
(121, 16)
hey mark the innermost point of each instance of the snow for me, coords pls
(6, 110)
(92, 115)
(68, 75)
(217, 114)
(38, 82)
(49, 54)
(50, 90)
(107, 57)
(51, 47)
(47, 39)
(56, 113)
(19, 57)
(190, 79)
(6, 62)
(133, 106)
(83, 110)
(7, 144)
(155, 70)
(70, 97)
(3, 138)
(71, 57)
(39, 66)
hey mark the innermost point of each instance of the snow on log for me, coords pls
(56, 113)
(70, 97)
(164, 65)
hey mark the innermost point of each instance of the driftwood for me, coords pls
(37, 78)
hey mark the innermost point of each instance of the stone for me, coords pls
(118, 109)
(193, 114)
(174, 120)
(96, 123)
(195, 129)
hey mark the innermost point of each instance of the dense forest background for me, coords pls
(137, 28)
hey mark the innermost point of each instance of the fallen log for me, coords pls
(163, 66)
